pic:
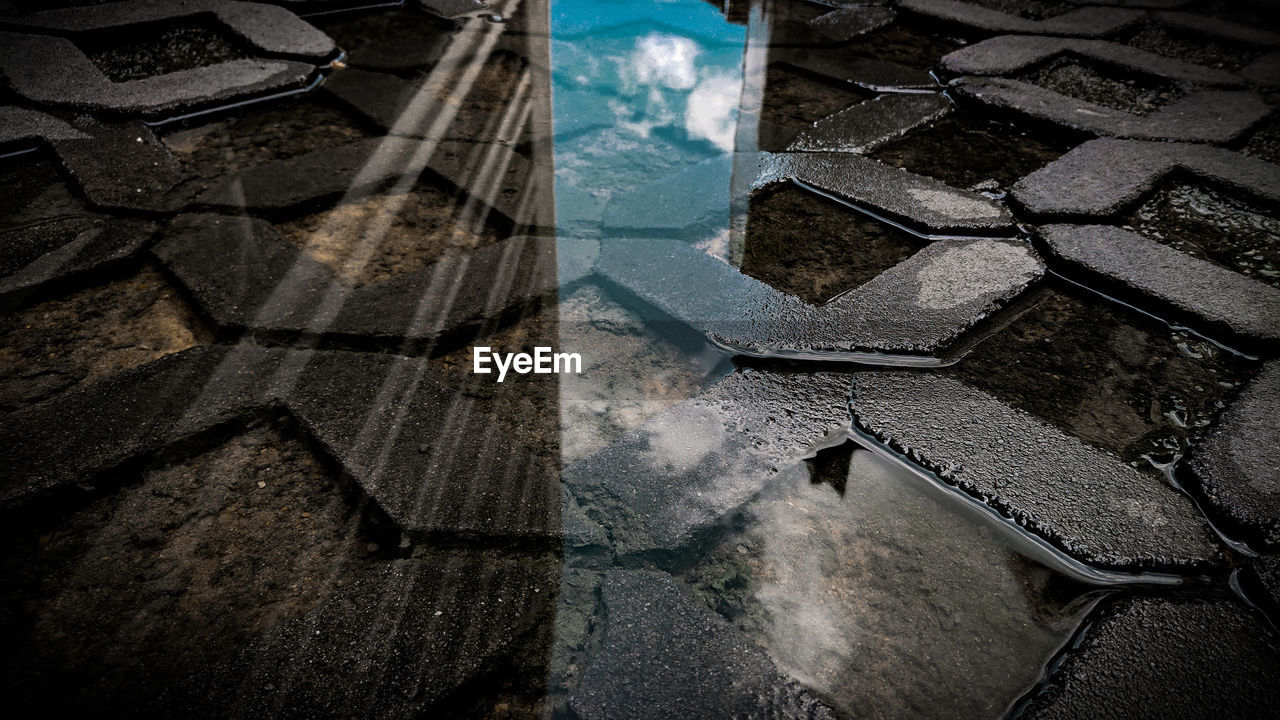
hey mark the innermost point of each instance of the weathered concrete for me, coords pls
(1218, 300)
(866, 126)
(1212, 116)
(1155, 657)
(1235, 470)
(1103, 178)
(1081, 499)
(1083, 22)
(663, 650)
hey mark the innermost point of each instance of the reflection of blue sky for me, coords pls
(643, 90)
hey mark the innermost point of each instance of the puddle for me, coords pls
(1101, 85)
(1208, 224)
(377, 238)
(1112, 378)
(840, 575)
(291, 127)
(966, 151)
(794, 101)
(67, 342)
(816, 248)
(124, 55)
(131, 602)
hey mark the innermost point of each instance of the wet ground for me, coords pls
(924, 372)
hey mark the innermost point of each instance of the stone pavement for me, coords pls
(1003, 306)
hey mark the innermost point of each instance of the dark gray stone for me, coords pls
(1161, 658)
(1234, 470)
(663, 486)
(1260, 581)
(1009, 54)
(53, 71)
(37, 255)
(270, 29)
(915, 311)
(866, 126)
(844, 24)
(1220, 301)
(1213, 116)
(874, 75)
(1105, 177)
(284, 291)
(1217, 28)
(662, 649)
(404, 638)
(929, 206)
(1263, 72)
(1083, 500)
(18, 125)
(453, 8)
(1083, 22)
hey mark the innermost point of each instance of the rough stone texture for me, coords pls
(1082, 22)
(1105, 177)
(52, 70)
(1213, 116)
(285, 291)
(1008, 54)
(917, 309)
(59, 250)
(867, 73)
(846, 23)
(1155, 657)
(924, 203)
(1216, 298)
(1263, 72)
(663, 649)
(662, 487)
(1235, 472)
(424, 475)
(868, 125)
(1261, 584)
(1083, 500)
(270, 29)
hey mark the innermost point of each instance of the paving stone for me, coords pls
(376, 414)
(1156, 657)
(369, 165)
(53, 71)
(1218, 28)
(397, 40)
(270, 29)
(428, 636)
(37, 255)
(1082, 22)
(1083, 500)
(1213, 116)
(1009, 54)
(1105, 177)
(453, 8)
(661, 488)
(923, 203)
(1234, 473)
(916, 310)
(846, 23)
(663, 649)
(287, 292)
(19, 125)
(866, 126)
(1218, 299)
(1263, 72)
(867, 73)
(1261, 584)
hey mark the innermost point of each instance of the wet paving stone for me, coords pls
(966, 151)
(1180, 43)
(400, 40)
(1096, 85)
(64, 342)
(125, 56)
(1150, 657)
(1119, 519)
(794, 100)
(1116, 380)
(815, 248)
(1212, 225)
(140, 595)
(1264, 143)
(836, 573)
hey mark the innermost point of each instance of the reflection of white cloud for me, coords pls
(711, 111)
(666, 60)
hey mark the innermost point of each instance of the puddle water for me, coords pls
(847, 576)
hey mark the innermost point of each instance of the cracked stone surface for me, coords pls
(1017, 465)
(1239, 481)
